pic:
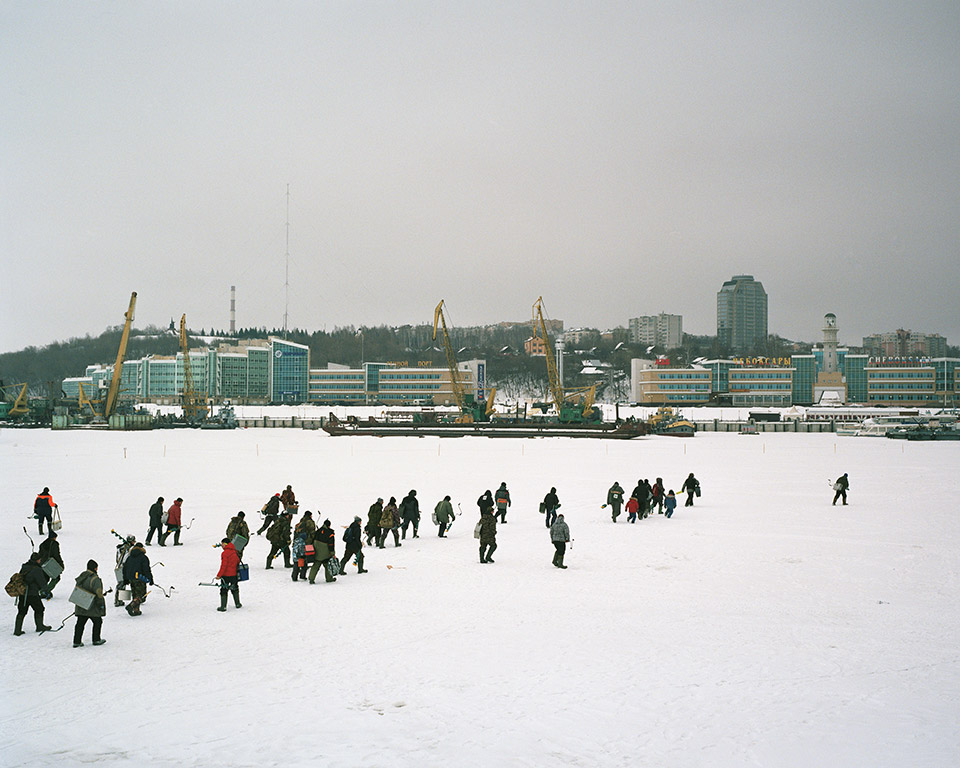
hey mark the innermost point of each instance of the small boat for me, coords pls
(668, 421)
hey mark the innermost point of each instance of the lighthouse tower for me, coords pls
(830, 332)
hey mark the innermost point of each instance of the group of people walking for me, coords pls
(645, 497)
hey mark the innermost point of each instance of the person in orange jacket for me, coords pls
(229, 581)
(43, 510)
(173, 524)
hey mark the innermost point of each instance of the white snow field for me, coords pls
(762, 627)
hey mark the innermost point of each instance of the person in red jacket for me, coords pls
(229, 581)
(173, 524)
(633, 506)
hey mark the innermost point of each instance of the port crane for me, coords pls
(194, 409)
(466, 402)
(567, 411)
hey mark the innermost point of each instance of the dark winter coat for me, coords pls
(373, 518)
(502, 496)
(43, 506)
(410, 508)
(33, 577)
(444, 510)
(353, 537)
(279, 532)
(843, 482)
(307, 528)
(229, 560)
(615, 495)
(641, 493)
(551, 501)
(89, 581)
(238, 525)
(137, 567)
(488, 528)
(485, 502)
(690, 484)
(156, 514)
(50, 550)
(326, 536)
(272, 507)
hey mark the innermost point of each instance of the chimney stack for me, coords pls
(233, 309)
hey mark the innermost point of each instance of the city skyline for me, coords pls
(619, 161)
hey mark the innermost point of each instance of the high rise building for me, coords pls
(663, 330)
(741, 313)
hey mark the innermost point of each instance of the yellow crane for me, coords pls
(19, 406)
(566, 411)
(194, 409)
(469, 411)
(114, 391)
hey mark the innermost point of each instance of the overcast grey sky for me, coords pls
(617, 158)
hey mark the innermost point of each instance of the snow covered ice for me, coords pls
(761, 627)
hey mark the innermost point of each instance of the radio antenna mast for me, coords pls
(286, 281)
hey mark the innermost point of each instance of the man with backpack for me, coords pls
(353, 539)
(27, 589)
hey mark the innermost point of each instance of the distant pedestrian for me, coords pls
(156, 521)
(642, 494)
(559, 535)
(43, 508)
(289, 500)
(633, 507)
(670, 503)
(410, 513)
(279, 538)
(656, 496)
(372, 529)
(390, 521)
(271, 512)
(486, 502)
(615, 500)
(228, 575)
(445, 516)
(353, 546)
(35, 582)
(841, 487)
(325, 544)
(173, 523)
(238, 527)
(488, 534)
(692, 486)
(123, 552)
(49, 549)
(89, 581)
(551, 503)
(136, 573)
(502, 497)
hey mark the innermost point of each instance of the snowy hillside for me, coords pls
(761, 627)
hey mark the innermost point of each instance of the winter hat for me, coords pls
(357, 519)
(160, 500)
(179, 499)
(224, 540)
(379, 500)
(240, 514)
(553, 490)
(91, 565)
(413, 493)
(308, 513)
(326, 523)
(52, 535)
(46, 490)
